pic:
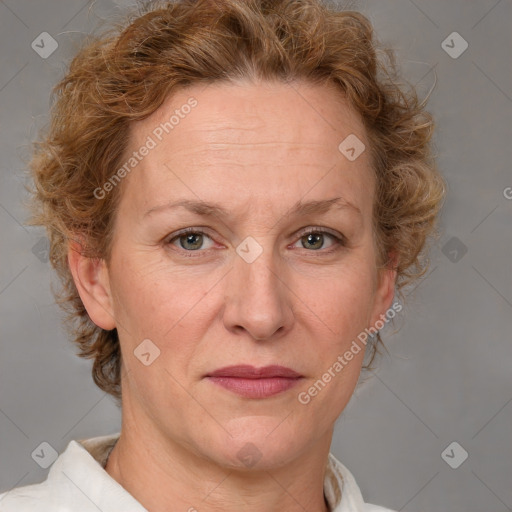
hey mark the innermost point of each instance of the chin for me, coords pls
(260, 443)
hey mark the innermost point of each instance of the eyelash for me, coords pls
(340, 241)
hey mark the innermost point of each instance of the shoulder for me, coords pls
(28, 498)
(45, 496)
(74, 477)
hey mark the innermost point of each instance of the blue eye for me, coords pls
(191, 239)
(314, 239)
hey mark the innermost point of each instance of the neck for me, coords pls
(163, 475)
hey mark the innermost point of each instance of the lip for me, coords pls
(246, 371)
(251, 382)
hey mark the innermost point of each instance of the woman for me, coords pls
(233, 191)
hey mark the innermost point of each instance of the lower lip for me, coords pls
(255, 388)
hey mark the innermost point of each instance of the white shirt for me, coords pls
(78, 482)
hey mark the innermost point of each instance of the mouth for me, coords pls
(251, 382)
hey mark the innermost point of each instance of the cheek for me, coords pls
(153, 303)
(152, 296)
(336, 358)
(340, 299)
(169, 306)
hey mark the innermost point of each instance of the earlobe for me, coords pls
(92, 282)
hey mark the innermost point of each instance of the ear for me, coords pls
(385, 290)
(92, 282)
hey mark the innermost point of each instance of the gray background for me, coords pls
(447, 377)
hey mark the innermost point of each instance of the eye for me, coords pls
(314, 239)
(191, 239)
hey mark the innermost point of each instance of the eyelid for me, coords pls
(319, 229)
(195, 229)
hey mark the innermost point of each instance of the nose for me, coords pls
(258, 299)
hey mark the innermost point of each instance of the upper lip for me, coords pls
(246, 371)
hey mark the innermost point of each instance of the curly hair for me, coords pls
(127, 72)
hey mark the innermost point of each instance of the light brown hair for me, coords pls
(126, 73)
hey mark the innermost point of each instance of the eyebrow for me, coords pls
(299, 208)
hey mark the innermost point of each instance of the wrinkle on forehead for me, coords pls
(278, 136)
(218, 148)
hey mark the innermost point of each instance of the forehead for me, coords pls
(246, 112)
(243, 141)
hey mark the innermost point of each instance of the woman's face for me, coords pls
(248, 285)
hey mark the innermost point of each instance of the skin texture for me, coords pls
(255, 149)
